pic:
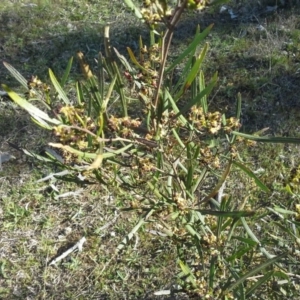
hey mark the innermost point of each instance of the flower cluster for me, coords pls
(295, 175)
(146, 76)
(209, 158)
(124, 126)
(180, 202)
(74, 116)
(154, 11)
(36, 86)
(212, 122)
(197, 4)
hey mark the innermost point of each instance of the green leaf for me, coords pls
(203, 100)
(183, 74)
(257, 284)
(134, 60)
(108, 95)
(31, 109)
(193, 73)
(238, 106)
(16, 75)
(101, 74)
(193, 232)
(266, 139)
(123, 60)
(255, 239)
(200, 178)
(67, 72)
(113, 70)
(95, 98)
(187, 272)
(254, 271)
(281, 275)
(39, 157)
(132, 7)
(58, 88)
(245, 240)
(191, 48)
(284, 211)
(239, 253)
(88, 155)
(227, 214)
(41, 123)
(130, 235)
(175, 108)
(212, 271)
(251, 175)
(196, 100)
(80, 97)
(177, 137)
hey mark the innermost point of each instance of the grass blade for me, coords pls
(134, 60)
(203, 100)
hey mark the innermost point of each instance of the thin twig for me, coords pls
(166, 42)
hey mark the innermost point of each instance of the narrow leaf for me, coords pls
(129, 236)
(58, 88)
(196, 100)
(195, 69)
(252, 272)
(284, 211)
(186, 270)
(31, 109)
(227, 214)
(67, 72)
(132, 7)
(19, 77)
(251, 175)
(80, 97)
(260, 282)
(134, 60)
(83, 155)
(203, 100)
(175, 108)
(198, 38)
(124, 61)
(254, 238)
(266, 139)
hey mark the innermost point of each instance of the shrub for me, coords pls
(170, 154)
